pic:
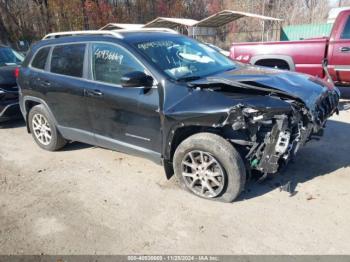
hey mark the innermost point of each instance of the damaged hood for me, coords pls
(305, 88)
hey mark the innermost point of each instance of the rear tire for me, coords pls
(206, 160)
(43, 129)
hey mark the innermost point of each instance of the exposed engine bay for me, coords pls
(269, 138)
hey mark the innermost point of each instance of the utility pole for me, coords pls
(263, 22)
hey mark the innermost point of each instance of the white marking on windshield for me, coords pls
(109, 55)
(147, 45)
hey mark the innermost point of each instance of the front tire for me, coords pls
(209, 166)
(44, 130)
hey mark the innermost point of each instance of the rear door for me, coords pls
(33, 77)
(126, 119)
(339, 49)
(64, 90)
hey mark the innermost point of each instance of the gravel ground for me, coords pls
(87, 200)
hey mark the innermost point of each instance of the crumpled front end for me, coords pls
(269, 139)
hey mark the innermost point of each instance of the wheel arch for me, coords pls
(181, 133)
(284, 58)
(177, 135)
(29, 102)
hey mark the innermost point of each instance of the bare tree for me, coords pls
(30, 19)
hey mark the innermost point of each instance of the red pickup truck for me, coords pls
(304, 56)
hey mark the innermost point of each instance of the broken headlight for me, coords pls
(256, 116)
(282, 143)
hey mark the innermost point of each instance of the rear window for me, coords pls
(346, 32)
(68, 60)
(40, 58)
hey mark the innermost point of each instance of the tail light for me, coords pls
(16, 72)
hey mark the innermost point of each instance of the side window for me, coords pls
(346, 31)
(110, 63)
(40, 58)
(68, 60)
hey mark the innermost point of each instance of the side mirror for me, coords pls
(136, 79)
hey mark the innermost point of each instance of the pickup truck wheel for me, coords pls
(44, 130)
(208, 166)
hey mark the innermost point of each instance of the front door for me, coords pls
(339, 60)
(125, 119)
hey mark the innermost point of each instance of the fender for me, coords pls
(285, 58)
(25, 99)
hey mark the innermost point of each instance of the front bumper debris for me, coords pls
(275, 142)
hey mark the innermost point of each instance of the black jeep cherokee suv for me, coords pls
(173, 100)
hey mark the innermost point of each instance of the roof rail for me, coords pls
(148, 29)
(86, 32)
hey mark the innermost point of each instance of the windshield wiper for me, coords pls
(188, 78)
(231, 68)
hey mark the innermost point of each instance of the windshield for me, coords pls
(182, 58)
(9, 56)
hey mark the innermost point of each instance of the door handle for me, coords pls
(44, 83)
(94, 92)
(345, 49)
